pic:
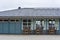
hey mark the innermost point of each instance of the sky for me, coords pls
(14, 4)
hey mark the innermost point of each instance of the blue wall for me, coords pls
(10, 27)
(3, 27)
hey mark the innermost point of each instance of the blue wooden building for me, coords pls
(30, 21)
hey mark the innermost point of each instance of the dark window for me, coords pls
(24, 20)
(5, 20)
(1, 20)
(51, 19)
(17, 20)
(12, 20)
(29, 20)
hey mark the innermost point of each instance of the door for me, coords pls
(5, 25)
(12, 25)
(18, 27)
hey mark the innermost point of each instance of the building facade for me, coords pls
(30, 21)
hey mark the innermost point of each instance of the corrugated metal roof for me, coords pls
(32, 12)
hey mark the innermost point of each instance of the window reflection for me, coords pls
(52, 23)
(38, 23)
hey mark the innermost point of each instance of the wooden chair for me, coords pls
(52, 30)
(39, 30)
(26, 30)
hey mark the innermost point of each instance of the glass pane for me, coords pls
(51, 23)
(29, 20)
(24, 23)
(5, 20)
(43, 25)
(57, 24)
(24, 20)
(17, 20)
(12, 20)
(38, 22)
(54, 22)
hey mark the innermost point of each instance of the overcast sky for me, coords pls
(14, 4)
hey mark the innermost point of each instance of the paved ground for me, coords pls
(29, 37)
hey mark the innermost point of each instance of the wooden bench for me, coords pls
(26, 30)
(52, 30)
(39, 30)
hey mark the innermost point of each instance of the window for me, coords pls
(24, 20)
(5, 20)
(29, 20)
(51, 23)
(26, 23)
(17, 20)
(57, 24)
(12, 20)
(38, 23)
